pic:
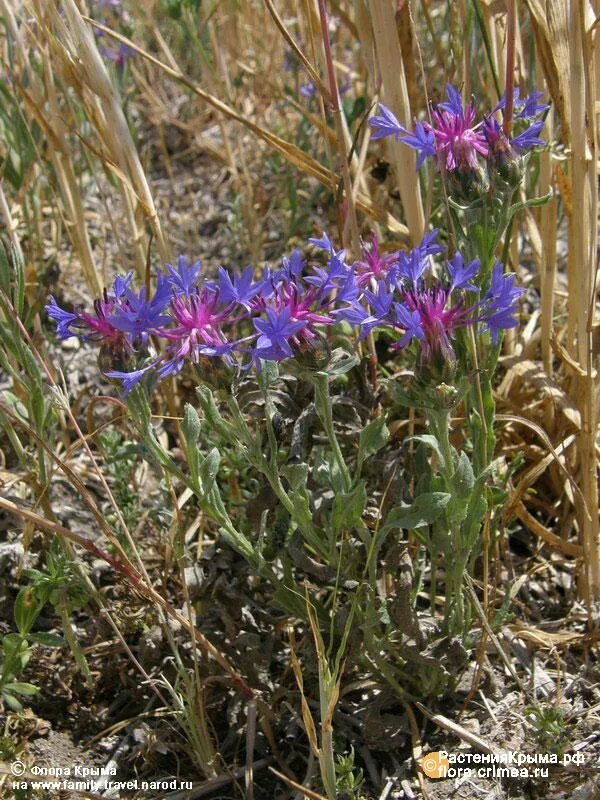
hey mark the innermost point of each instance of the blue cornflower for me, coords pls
(293, 266)
(455, 101)
(121, 284)
(274, 332)
(525, 107)
(328, 278)
(138, 316)
(410, 320)
(501, 302)
(461, 274)
(355, 314)
(381, 300)
(430, 245)
(529, 138)
(386, 124)
(64, 319)
(348, 288)
(422, 140)
(325, 243)
(308, 90)
(130, 379)
(411, 265)
(184, 279)
(531, 108)
(239, 290)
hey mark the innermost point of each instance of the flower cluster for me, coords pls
(457, 141)
(239, 317)
(245, 319)
(411, 300)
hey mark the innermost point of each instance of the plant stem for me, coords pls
(325, 411)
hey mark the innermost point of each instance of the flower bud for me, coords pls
(214, 372)
(505, 165)
(311, 350)
(113, 357)
(436, 361)
(468, 185)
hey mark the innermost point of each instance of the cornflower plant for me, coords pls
(431, 314)
(248, 324)
(482, 167)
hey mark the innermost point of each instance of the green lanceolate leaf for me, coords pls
(296, 475)
(208, 470)
(348, 509)
(190, 429)
(463, 479)
(424, 510)
(27, 689)
(213, 415)
(47, 639)
(372, 438)
(430, 441)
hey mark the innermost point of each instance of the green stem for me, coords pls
(439, 421)
(325, 411)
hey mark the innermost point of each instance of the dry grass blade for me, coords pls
(316, 78)
(582, 278)
(309, 793)
(386, 43)
(289, 151)
(82, 68)
(551, 539)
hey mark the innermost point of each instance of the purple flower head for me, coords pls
(375, 265)
(439, 320)
(502, 149)
(199, 318)
(385, 124)
(95, 326)
(412, 301)
(461, 274)
(184, 278)
(458, 141)
(499, 145)
(241, 289)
